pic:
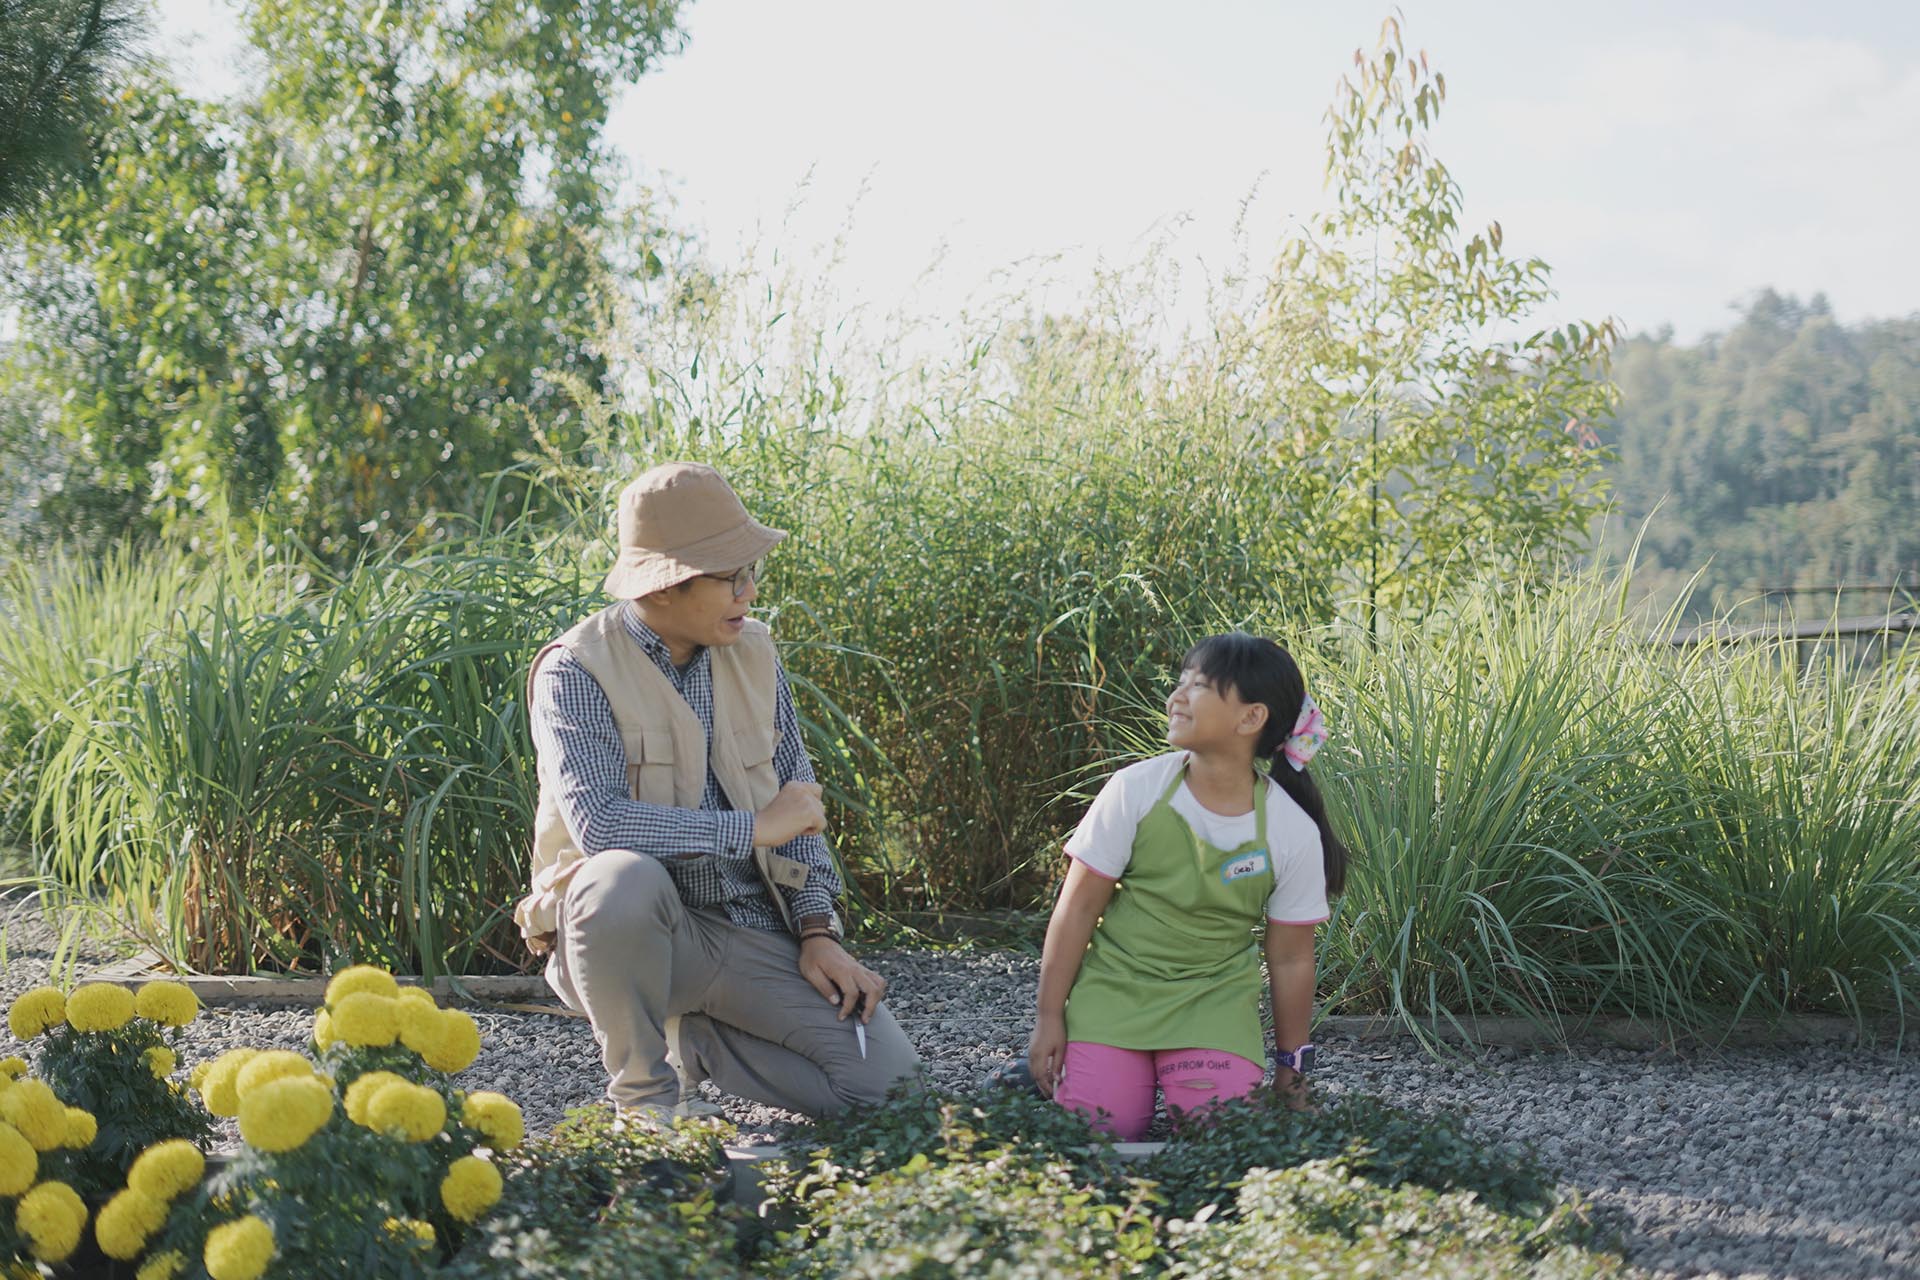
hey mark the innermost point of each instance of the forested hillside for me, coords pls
(1784, 452)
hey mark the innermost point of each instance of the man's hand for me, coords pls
(795, 812)
(1047, 1051)
(840, 978)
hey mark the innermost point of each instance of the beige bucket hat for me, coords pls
(678, 521)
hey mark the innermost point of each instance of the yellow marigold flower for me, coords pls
(497, 1116)
(19, 1162)
(414, 1111)
(217, 1085)
(274, 1064)
(162, 1266)
(171, 1004)
(420, 1027)
(423, 995)
(127, 1222)
(323, 1033)
(41, 1118)
(99, 1006)
(34, 1012)
(459, 1043)
(161, 1061)
(239, 1250)
(82, 1129)
(471, 1187)
(361, 978)
(361, 1091)
(167, 1169)
(282, 1114)
(12, 1069)
(364, 1018)
(198, 1075)
(412, 1230)
(51, 1216)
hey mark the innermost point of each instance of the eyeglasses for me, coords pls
(740, 579)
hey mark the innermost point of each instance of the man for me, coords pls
(681, 887)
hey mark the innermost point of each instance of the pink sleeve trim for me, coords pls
(1089, 866)
(1271, 920)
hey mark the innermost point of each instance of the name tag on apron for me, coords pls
(1240, 868)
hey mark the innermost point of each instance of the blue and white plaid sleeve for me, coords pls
(790, 762)
(580, 752)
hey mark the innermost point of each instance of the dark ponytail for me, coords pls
(1261, 671)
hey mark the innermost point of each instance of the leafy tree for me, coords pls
(57, 58)
(341, 297)
(1449, 444)
(1784, 453)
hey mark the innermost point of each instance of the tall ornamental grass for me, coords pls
(1559, 816)
(345, 776)
(1796, 845)
(69, 620)
(989, 538)
(1555, 815)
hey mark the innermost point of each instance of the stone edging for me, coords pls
(521, 993)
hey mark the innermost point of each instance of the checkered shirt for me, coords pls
(707, 851)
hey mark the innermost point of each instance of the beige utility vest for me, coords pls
(666, 749)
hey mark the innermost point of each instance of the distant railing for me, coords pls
(1806, 637)
(1831, 629)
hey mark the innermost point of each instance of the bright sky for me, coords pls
(1666, 159)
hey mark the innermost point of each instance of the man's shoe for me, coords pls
(1014, 1074)
(653, 1116)
(643, 1117)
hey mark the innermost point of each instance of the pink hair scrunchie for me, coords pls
(1309, 735)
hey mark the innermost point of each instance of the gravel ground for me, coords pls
(1751, 1163)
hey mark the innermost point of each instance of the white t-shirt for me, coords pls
(1104, 839)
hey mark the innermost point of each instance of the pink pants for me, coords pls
(1099, 1078)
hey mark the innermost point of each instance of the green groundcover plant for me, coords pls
(1322, 1219)
(929, 1185)
(599, 1203)
(360, 1159)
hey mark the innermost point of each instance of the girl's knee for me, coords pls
(1130, 1127)
(1112, 1087)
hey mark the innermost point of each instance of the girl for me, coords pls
(1149, 977)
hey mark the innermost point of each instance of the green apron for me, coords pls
(1172, 964)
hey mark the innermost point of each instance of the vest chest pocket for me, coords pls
(650, 766)
(756, 744)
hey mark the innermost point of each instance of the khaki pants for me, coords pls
(667, 986)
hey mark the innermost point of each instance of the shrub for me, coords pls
(911, 1123)
(1320, 1219)
(1384, 1144)
(1002, 1213)
(113, 1053)
(42, 1139)
(373, 1166)
(596, 1203)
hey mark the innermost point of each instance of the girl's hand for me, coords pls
(1047, 1051)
